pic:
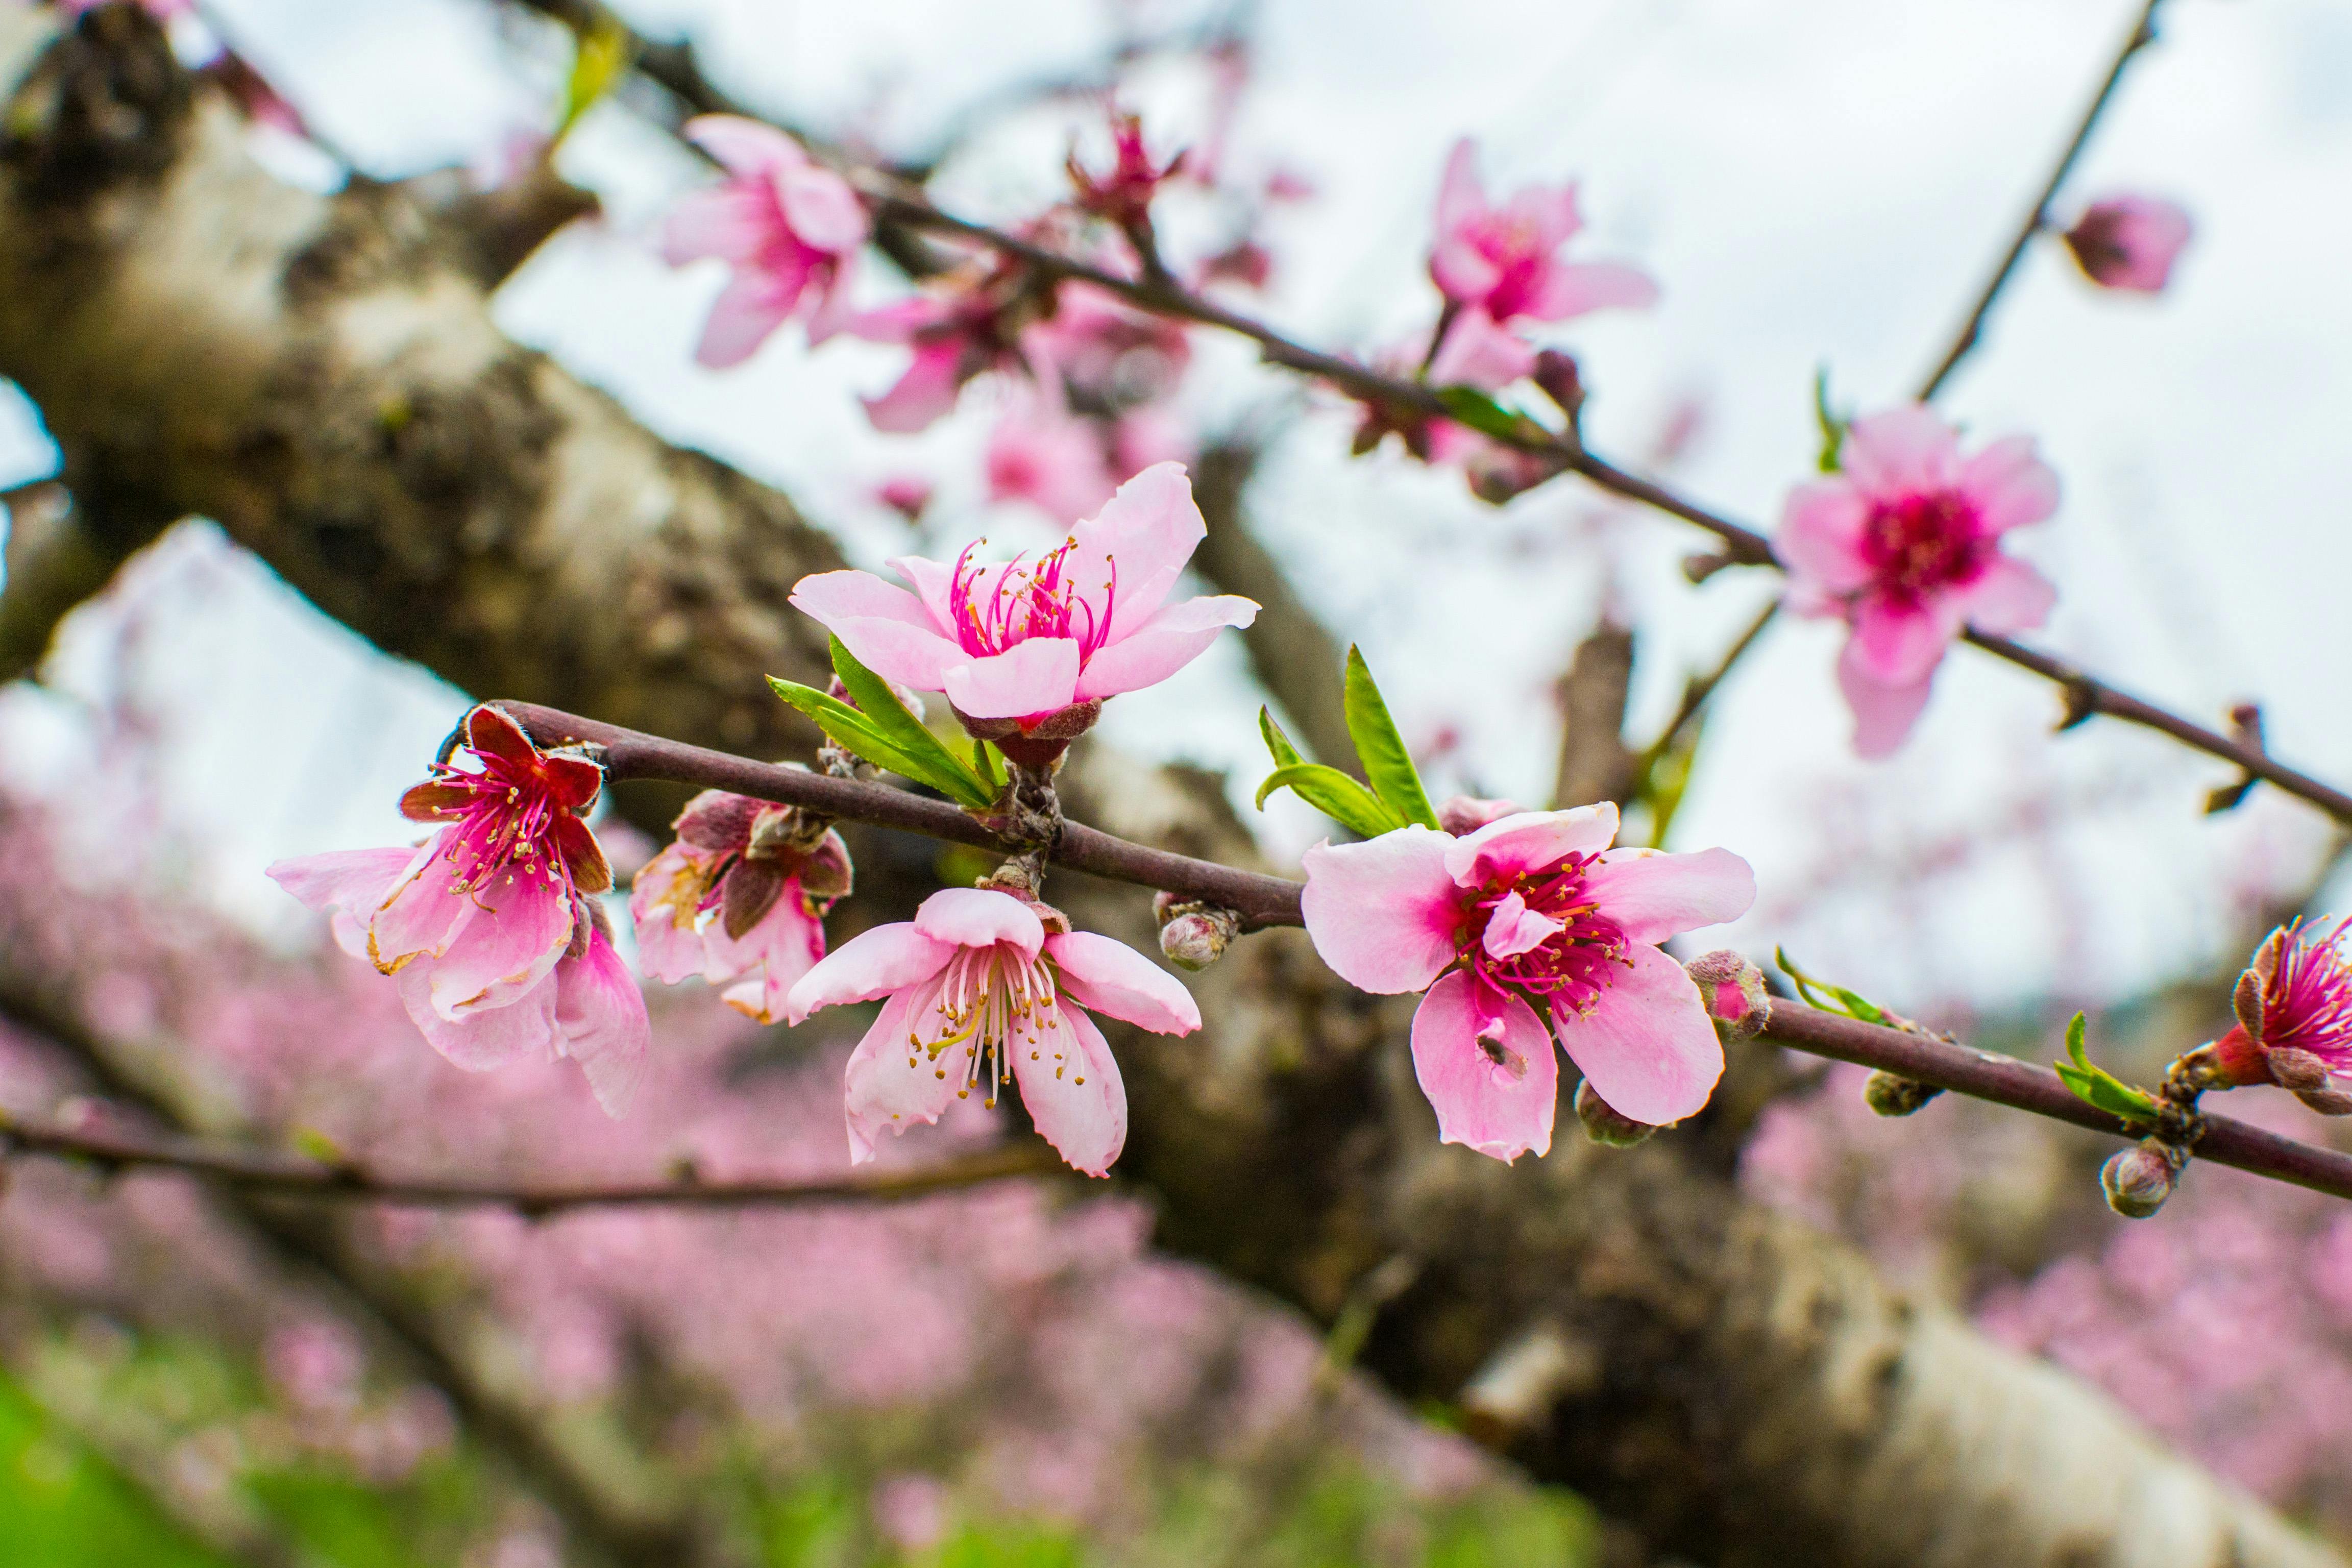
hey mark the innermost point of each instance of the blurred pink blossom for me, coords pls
(788, 229)
(1007, 981)
(909, 495)
(1041, 453)
(2129, 242)
(1903, 543)
(1531, 904)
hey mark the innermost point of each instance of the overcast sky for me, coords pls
(1814, 185)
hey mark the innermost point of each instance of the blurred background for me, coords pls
(1011, 1376)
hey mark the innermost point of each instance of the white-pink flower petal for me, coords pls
(1384, 913)
(872, 963)
(1111, 978)
(980, 916)
(1070, 1083)
(1647, 1045)
(1529, 841)
(1652, 895)
(1487, 1065)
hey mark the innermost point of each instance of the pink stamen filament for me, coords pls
(2308, 1003)
(509, 820)
(1028, 600)
(1569, 969)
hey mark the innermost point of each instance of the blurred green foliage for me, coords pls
(62, 1507)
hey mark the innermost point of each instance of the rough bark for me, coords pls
(314, 373)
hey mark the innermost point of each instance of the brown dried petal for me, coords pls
(825, 870)
(752, 890)
(717, 821)
(2293, 1068)
(591, 872)
(434, 801)
(2246, 1001)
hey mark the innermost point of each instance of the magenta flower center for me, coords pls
(1027, 599)
(1924, 543)
(2307, 1006)
(506, 821)
(992, 1001)
(1572, 966)
(1515, 248)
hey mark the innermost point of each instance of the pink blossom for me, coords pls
(1122, 193)
(2129, 242)
(487, 928)
(956, 335)
(988, 980)
(2295, 996)
(1105, 349)
(909, 495)
(1498, 265)
(1022, 640)
(1041, 453)
(1533, 907)
(788, 227)
(736, 899)
(1903, 543)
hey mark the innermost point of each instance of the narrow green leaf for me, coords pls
(1386, 762)
(1277, 744)
(943, 770)
(1335, 795)
(2074, 1027)
(1468, 405)
(600, 56)
(1832, 428)
(2103, 1091)
(1861, 1007)
(989, 764)
(1799, 978)
(851, 728)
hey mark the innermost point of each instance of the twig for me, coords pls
(1267, 901)
(1701, 688)
(293, 1176)
(2142, 34)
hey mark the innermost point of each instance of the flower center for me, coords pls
(1571, 965)
(1027, 599)
(2308, 1003)
(1923, 543)
(992, 1001)
(507, 821)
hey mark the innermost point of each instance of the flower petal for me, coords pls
(2011, 485)
(890, 1081)
(1898, 644)
(2010, 596)
(824, 213)
(1487, 1065)
(890, 958)
(774, 954)
(980, 916)
(1647, 1046)
(487, 1037)
(743, 145)
(523, 926)
(1529, 841)
(1575, 288)
(1883, 714)
(831, 598)
(1819, 540)
(1653, 895)
(1478, 351)
(752, 305)
(1514, 929)
(353, 879)
(601, 1023)
(1162, 646)
(1141, 539)
(419, 916)
(923, 393)
(669, 945)
(1904, 450)
(1111, 978)
(733, 222)
(1070, 1083)
(1384, 913)
(1037, 676)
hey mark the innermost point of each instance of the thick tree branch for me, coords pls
(1742, 1390)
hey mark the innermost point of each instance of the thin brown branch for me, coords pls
(2037, 218)
(263, 1172)
(1702, 688)
(1274, 901)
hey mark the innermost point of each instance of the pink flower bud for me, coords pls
(1606, 1126)
(1733, 990)
(2138, 1180)
(2129, 242)
(1197, 941)
(1466, 813)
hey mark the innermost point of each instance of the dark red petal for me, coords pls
(591, 872)
(489, 732)
(717, 821)
(575, 782)
(751, 890)
(434, 801)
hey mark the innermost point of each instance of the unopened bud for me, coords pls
(1193, 934)
(2326, 1101)
(1890, 1094)
(1606, 1125)
(2293, 1068)
(1557, 374)
(2139, 1179)
(1733, 990)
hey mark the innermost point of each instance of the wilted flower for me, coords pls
(487, 928)
(1903, 543)
(981, 981)
(1022, 641)
(735, 899)
(790, 228)
(1532, 906)
(2129, 242)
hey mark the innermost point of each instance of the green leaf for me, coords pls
(599, 57)
(939, 768)
(1386, 762)
(851, 728)
(1832, 428)
(1861, 1007)
(1468, 405)
(989, 764)
(2098, 1088)
(1854, 1004)
(1277, 744)
(1335, 795)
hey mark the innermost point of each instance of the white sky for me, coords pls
(1816, 184)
